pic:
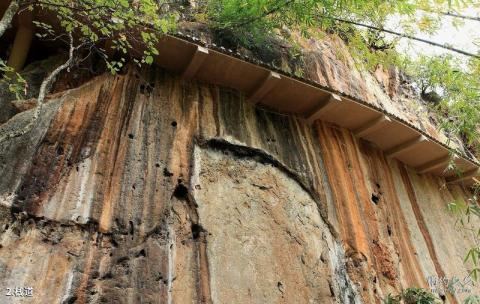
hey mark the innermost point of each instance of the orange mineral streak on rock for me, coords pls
(186, 127)
(112, 149)
(83, 289)
(355, 170)
(392, 210)
(339, 169)
(423, 228)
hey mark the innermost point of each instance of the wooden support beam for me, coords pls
(371, 126)
(332, 102)
(434, 164)
(22, 42)
(464, 176)
(195, 63)
(405, 146)
(267, 84)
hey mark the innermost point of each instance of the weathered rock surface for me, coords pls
(141, 188)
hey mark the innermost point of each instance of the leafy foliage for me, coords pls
(15, 82)
(416, 295)
(468, 214)
(252, 21)
(473, 299)
(391, 299)
(456, 92)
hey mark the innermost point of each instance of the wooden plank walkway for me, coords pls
(271, 88)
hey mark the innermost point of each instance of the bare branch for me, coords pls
(8, 16)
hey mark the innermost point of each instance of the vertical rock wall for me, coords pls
(146, 189)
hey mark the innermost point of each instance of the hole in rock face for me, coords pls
(375, 199)
(173, 124)
(59, 150)
(71, 300)
(443, 297)
(196, 230)
(167, 173)
(108, 275)
(131, 230)
(146, 88)
(180, 191)
(332, 291)
(131, 136)
(389, 230)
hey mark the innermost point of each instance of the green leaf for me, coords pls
(148, 59)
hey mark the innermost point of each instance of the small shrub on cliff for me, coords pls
(412, 295)
(416, 295)
(472, 300)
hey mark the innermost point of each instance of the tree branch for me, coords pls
(455, 15)
(44, 89)
(8, 16)
(404, 36)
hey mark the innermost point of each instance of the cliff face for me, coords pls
(144, 188)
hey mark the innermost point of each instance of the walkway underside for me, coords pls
(286, 94)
